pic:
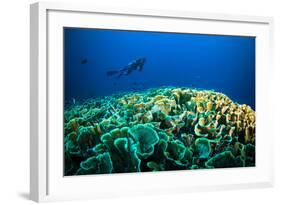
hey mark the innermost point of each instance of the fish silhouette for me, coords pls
(84, 61)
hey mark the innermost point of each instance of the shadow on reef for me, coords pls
(157, 130)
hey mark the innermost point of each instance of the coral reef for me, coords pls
(159, 129)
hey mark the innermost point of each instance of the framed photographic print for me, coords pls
(128, 101)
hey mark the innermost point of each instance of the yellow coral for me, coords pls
(209, 106)
(164, 104)
(74, 124)
(249, 134)
(140, 106)
(159, 97)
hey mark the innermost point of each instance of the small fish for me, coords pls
(84, 61)
(128, 69)
(73, 101)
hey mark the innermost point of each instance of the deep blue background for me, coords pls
(222, 63)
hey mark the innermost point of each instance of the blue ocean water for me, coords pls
(222, 63)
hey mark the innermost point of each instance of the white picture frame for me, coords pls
(47, 182)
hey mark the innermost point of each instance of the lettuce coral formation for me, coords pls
(159, 129)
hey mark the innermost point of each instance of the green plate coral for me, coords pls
(156, 130)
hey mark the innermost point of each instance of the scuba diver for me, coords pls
(128, 69)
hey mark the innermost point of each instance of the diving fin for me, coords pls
(112, 72)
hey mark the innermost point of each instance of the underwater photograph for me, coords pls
(147, 101)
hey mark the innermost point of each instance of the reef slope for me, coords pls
(156, 130)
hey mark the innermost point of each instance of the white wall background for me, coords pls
(14, 101)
